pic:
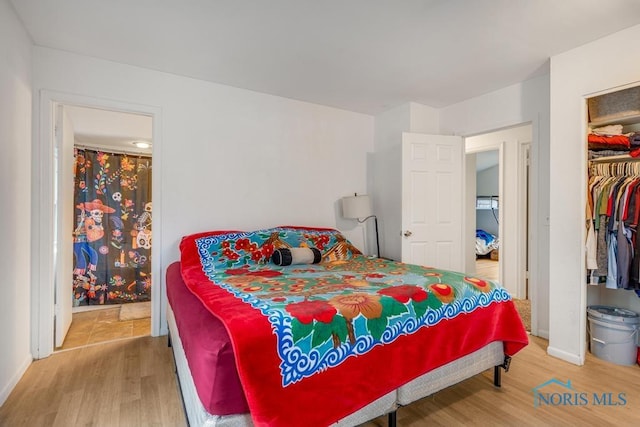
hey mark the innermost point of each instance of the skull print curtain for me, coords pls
(112, 231)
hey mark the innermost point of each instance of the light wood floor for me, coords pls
(487, 268)
(475, 402)
(124, 383)
(132, 383)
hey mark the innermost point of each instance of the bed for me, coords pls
(337, 342)
(486, 242)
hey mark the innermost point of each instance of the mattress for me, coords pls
(210, 387)
(338, 334)
(208, 350)
(197, 415)
(452, 373)
(204, 370)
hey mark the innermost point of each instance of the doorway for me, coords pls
(111, 210)
(512, 147)
(52, 313)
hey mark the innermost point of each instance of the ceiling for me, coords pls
(486, 160)
(360, 55)
(110, 130)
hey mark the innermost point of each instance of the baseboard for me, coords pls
(8, 388)
(568, 357)
(543, 334)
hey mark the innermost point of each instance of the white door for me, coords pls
(63, 235)
(432, 200)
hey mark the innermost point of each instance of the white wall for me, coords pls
(423, 119)
(15, 193)
(385, 167)
(230, 158)
(520, 103)
(576, 75)
(386, 177)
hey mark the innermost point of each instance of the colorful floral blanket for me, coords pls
(314, 343)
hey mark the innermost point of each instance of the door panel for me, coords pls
(63, 158)
(432, 199)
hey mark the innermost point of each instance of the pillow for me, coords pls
(332, 244)
(233, 249)
(289, 256)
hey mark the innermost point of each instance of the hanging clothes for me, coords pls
(112, 237)
(613, 212)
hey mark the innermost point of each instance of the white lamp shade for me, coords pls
(356, 206)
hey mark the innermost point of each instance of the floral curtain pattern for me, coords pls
(112, 228)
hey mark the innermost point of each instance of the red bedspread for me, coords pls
(333, 392)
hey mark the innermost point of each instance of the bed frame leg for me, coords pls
(497, 374)
(169, 340)
(392, 419)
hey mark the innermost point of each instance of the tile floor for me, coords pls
(97, 326)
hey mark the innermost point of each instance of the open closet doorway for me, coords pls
(104, 209)
(501, 156)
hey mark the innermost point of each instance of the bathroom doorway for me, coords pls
(109, 206)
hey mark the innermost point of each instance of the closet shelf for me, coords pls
(619, 107)
(624, 118)
(621, 157)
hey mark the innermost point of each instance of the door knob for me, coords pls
(407, 233)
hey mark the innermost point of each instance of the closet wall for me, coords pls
(613, 193)
(577, 75)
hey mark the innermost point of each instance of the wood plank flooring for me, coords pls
(129, 382)
(487, 268)
(132, 383)
(475, 402)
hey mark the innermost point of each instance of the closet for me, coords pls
(613, 199)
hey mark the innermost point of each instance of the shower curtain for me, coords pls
(112, 230)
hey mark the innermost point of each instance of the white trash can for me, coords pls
(613, 333)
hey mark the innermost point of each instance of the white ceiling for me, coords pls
(110, 130)
(486, 160)
(359, 55)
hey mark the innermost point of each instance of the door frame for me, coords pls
(43, 214)
(63, 205)
(511, 186)
(538, 220)
(524, 189)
